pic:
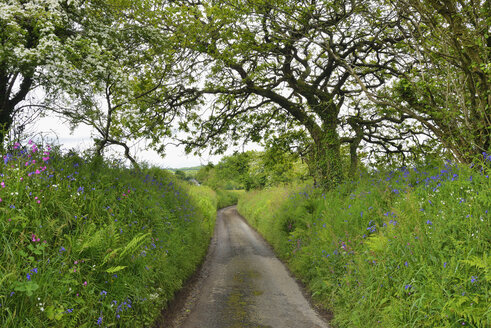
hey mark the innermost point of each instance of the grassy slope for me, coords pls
(405, 249)
(86, 244)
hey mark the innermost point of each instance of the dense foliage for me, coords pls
(276, 67)
(98, 63)
(395, 79)
(252, 170)
(87, 244)
(448, 89)
(406, 248)
(228, 197)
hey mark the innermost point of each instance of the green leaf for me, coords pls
(50, 312)
(115, 269)
(28, 287)
(54, 313)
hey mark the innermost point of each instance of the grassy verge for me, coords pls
(409, 248)
(87, 244)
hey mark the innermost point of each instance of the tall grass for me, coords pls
(228, 197)
(88, 244)
(407, 248)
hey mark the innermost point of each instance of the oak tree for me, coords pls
(269, 66)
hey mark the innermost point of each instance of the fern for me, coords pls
(74, 321)
(95, 241)
(91, 230)
(5, 277)
(134, 244)
(110, 256)
(478, 262)
(483, 264)
(114, 236)
(377, 243)
(115, 269)
(100, 240)
(472, 314)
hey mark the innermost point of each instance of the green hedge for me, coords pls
(228, 197)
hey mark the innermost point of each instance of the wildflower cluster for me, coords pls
(78, 236)
(405, 247)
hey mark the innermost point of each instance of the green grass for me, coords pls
(88, 244)
(409, 248)
(228, 197)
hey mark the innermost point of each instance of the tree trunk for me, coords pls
(327, 165)
(355, 143)
(5, 124)
(353, 169)
(8, 101)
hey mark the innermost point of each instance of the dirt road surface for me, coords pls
(243, 285)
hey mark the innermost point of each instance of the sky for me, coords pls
(53, 128)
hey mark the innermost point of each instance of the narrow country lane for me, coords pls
(243, 284)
